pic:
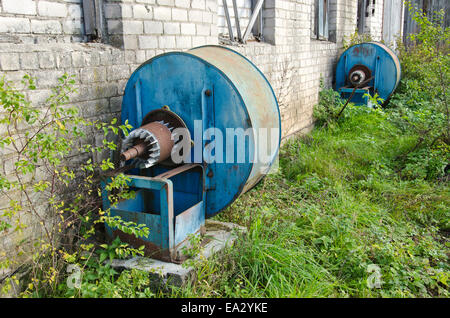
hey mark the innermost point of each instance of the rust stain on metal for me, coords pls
(178, 170)
(357, 50)
(150, 249)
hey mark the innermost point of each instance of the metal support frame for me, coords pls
(227, 16)
(93, 21)
(252, 20)
(236, 18)
(256, 13)
(258, 27)
(362, 16)
(322, 19)
(167, 229)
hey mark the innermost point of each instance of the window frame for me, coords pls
(321, 20)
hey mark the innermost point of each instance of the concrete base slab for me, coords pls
(218, 236)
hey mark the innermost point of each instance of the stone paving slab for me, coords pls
(219, 235)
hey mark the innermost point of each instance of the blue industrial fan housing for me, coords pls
(367, 68)
(205, 87)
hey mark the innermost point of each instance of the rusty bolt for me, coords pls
(208, 92)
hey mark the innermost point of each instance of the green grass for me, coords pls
(337, 205)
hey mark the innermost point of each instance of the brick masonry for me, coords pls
(44, 39)
(373, 19)
(41, 21)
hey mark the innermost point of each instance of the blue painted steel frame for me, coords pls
(358, 97)
(167, 230)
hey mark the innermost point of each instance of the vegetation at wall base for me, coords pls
(50, 208)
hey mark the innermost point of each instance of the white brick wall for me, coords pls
(14, 25)
(374, 20)
(153, 27)
(142, 12)
(179, 14)
(19, 7)
(166, 24)
(163, 13)
(171, 28)
(46, 27)
(52, 9)
(42, 21)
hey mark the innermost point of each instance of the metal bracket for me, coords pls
(227, 16)
(236, 19)
(252, 20)
(251, 23)
(167, 230)
(93, 23)
(208, 114)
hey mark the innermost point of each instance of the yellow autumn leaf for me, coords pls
(60, 125)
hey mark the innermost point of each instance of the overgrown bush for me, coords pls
(421, 103)
(51, 201)
(330, 103)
